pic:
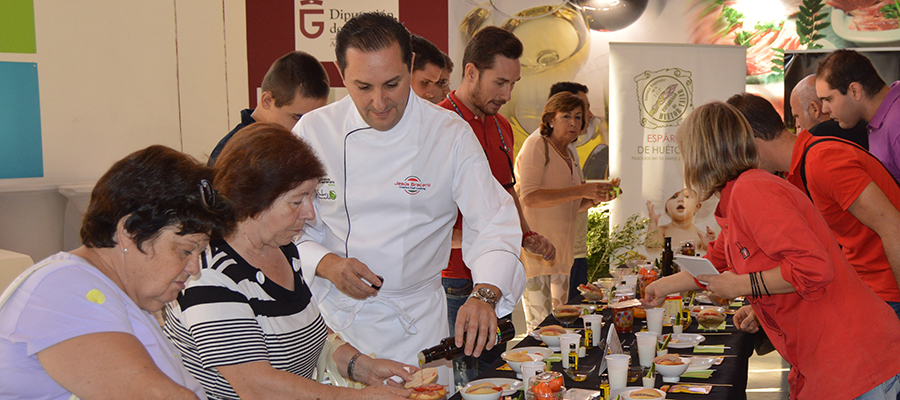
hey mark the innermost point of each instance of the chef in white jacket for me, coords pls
(397, 169)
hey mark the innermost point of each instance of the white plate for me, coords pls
(543, 351)
(841, 24)
(685, 340)
(514, 384)
(698, 363)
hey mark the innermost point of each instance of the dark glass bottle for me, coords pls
(667, 256)
(447, 349)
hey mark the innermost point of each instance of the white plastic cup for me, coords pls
(655, 320)
(649, 382)
(646, 342)
(618, 370)
(630, 280)
(677, 328)
(596, 323)
(531, 368)
(564, 341)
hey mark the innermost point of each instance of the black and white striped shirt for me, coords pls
(233, 314)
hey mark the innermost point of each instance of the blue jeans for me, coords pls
(896, 306)
(889, 390)
(465, 368)
(578, 276)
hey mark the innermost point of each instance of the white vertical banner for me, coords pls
(317, 22)
(652, 87)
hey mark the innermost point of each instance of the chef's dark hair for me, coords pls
(296, 73)
(371, 32)
(488, 43)
(426, 53)
(760, 113)
(260, 163)
(843, 67)
(571, 87)
(154, 188)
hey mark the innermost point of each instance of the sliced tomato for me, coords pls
(542, 388)
(431, 387)
(556, 384)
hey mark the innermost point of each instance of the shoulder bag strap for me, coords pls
(834, 139)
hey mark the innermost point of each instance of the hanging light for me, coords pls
(611, 15)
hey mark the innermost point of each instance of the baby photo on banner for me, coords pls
(652, 88)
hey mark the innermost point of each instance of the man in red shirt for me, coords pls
(490, 70)
(856, 195)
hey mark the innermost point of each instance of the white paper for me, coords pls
(696, 265)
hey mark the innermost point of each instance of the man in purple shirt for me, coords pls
(851, 90)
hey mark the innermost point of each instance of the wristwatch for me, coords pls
(486, 295)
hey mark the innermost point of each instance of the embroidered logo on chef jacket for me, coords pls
(412, 185)
(744, 252)
(326, 190)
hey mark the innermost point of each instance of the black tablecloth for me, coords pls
(732, 371)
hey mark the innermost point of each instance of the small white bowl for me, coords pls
(536, 353)
(672, 373)
(551, 341)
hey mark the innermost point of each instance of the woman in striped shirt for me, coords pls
(248, 327)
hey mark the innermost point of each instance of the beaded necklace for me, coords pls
(557, 150)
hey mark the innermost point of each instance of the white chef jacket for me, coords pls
(390, 200)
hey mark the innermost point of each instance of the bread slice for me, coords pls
(552, 330)
(483, 388)
(645, 394)
(422, 377)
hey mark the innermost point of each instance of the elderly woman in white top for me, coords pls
(552, 194)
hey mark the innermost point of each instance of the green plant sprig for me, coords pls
(613, 246)
(810, 22)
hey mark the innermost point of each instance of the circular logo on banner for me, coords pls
(664, 97)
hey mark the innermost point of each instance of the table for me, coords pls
(732, 371)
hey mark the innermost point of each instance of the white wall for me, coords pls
(116, 76)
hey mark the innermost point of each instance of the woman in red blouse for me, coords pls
(840, 338)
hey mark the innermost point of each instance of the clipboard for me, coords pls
(696, 265)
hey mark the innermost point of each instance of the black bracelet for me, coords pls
(763, 283)
(754, 289)
(352, 364)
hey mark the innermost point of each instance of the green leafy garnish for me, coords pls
(651, 370)
(778, 60)
(810, 22)
(891, 11)
(731, 17)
